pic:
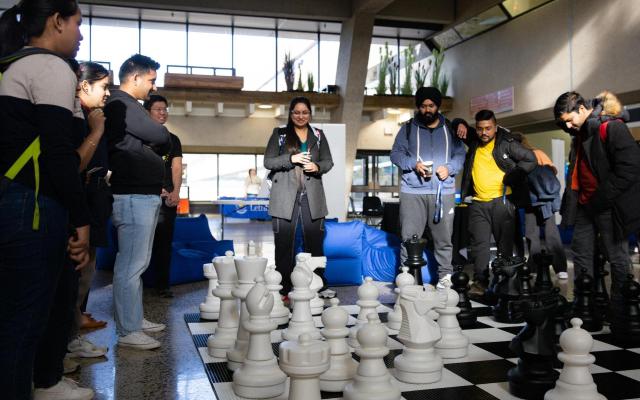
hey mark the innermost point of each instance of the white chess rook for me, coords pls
(419, 363)
(454, 344)
(225, 334)
(304, 361)
(301, 318)
(372, 380)
(210, 309)
(575, 381)
(394, 318)
(259, 377)
(342, 366)
(368, 302)
(280, 314)
(248, 269)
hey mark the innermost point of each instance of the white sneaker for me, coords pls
(82, 347)
(562, 275)
(66, 389)
(138, 340)
(149, 326)
(444, 282)
(70, 366)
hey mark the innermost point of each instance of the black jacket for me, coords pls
(136, 145)
(511, 157)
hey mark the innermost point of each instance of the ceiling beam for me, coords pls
(431, 11)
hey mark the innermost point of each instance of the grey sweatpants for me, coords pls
(416, 213)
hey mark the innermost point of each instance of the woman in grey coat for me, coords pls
(297, 156)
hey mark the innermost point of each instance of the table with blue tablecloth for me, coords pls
(242, 207)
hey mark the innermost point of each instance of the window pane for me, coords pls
(385, 171)
(234, 168)
(85, 45)
(201, 172)
(447, 39)
(255, 58)
(165, 43)
(209, 46)
(517, 7)
(376, 51)
(303, 48)
(481, 22)
(262, 171)
(113, 41)
(329, 49)
(359, 166)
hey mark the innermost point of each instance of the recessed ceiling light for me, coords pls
(265, 106)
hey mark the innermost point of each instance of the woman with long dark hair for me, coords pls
(41, 192)
(297, 155)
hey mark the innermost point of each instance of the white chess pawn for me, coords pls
(453, 344)
(394, 318)
(342, 366)
(227, 329)
(259, 377)
(210, 309)
(368, 302)
(301, 318)
(304, 361)
(280, 313)
(248, 269)
(575, 381)
(372, 379)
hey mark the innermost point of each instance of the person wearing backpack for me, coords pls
(297, 156)
(605, 182)
(41, 194)
(430, 155)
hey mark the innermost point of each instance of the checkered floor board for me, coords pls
(481, 375)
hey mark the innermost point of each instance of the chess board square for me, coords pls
(474, 353)
(207, 359)
(492, 322)
(617, 360)
(635, 350)
(224, 390)
(394, 344)
(500, 349)
(616, 387)
(218, 372)
(475, 304)
(201, 340)
(449, 379)
(602, 346)
(452, 393)
(193, 317)
(482, 371)
(488, 335)
(200, 328)
(512, 329)
(477, 325)
(330, 395)
(499, 389)
(609, 339)
(388, 359)
(483, 311)
(632, 373)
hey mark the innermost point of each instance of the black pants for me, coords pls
(284, 233)
(162, 245)
(48, 367)
(486, 218)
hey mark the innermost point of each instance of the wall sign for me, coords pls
(500, 101)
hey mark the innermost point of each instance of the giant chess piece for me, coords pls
(280, 313)
(368, 302)
(561, 314)
(259, 377)
(372, 380)
(534, 345)
(227, 330)
(543, 261)
(210, 309)
(626, 327)
(460, 283)
(342, 366)
(575, 381)
(453, 344)
(415, 260)
(394, 318)
(248, 269)
(304, 361)
(314, 263)
(600, 295)
(583, 307)
(301, 318)
(419, 363)
(525, 282)
(506, 288)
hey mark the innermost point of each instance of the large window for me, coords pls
(114, 41)
(84, 53)
(303, 48)
(210, 46)
(234, 168)
(167, 44)
(255, 58)
(329, 49)
(201, 176)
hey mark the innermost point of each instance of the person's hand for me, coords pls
(421, 169)
(442, 172)
(78, 247)
(462, 131)
(301, 158)
(95, 120)
(310, 167)
(164, 194)
(173, 198)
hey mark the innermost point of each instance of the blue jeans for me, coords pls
(30, 266)
(135, 217)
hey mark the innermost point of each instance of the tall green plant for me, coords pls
(310, 82)
(409, 59)
(300, 86)
(287, 70)
(420, 74)
(437, 80)
(393, 77)
(382, 70)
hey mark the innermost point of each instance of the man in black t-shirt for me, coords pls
(161, 254)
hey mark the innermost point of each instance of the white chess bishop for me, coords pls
(575, 381)
(259, 377)
(342, 366)
(453, 344)
(419, 363)
(248, 269)
(301, 318)
(225, 334)
(372, 380)
(210, 309)
(280, 313)
(368, 302)
(394, 318)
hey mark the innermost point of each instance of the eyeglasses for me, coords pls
(160, 110)
(300, 113)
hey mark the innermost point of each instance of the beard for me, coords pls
(426, 118)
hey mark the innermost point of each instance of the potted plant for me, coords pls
(438, 81)
(409, 59)
(420, 74)
(310, 82)
(393, 77)
(300, 86)
(287, 70)
(382, 70)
